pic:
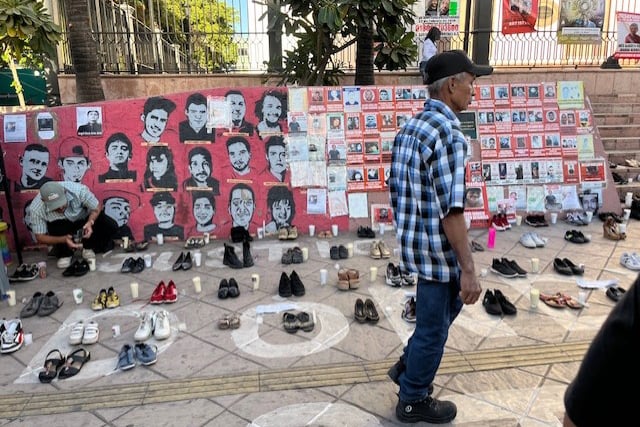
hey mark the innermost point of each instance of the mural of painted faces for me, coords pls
(118, 209)
(271, 109)
(239, 152)
(282, 207)
(160, 171)
(155, 117)
(276, 157)
(118, 151)
(34, 162)
(204, 209)
(73, 159)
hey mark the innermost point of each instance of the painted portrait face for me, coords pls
(281, 212)
(241, 207)
(158, 165)
(239, 156)
(203, 211)
(271, 110)
(238, 107)
(118, 153)
(118, 209)
(74, 168)
(164, 212)
(277, 159)
(197, 116)
(34, 164)
(199, 168)
(155, 122)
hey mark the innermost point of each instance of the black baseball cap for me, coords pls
(452, 62)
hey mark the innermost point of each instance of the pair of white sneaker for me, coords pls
(630, 261)
(532, 240)
(154, 323)
(82, 333)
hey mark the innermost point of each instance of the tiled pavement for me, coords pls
(509, 371)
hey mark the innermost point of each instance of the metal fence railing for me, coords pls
(207, 36)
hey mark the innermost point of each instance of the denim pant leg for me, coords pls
(437, 306)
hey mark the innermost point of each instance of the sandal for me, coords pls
(77, 332)
(553, 300)
(113, 300)
(74, 363)
(194, 243)
(290, 322)
(569, 301)
(52, 363)
(229, 321)
(343, 280)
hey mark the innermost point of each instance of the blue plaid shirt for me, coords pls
(426, 182)
(80, 202)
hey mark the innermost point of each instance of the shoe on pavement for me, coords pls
(125, 358)
(527, 241)
(539, 241)
(11, 336)
(392, 275)
(161, 325)
(506, 306)
(562, 268)
(145, 329)
(502, 269)
(63, 262)
(145, 354)
(157, 297)
(385, 253)
(430, 410)
(515, 267)
(491, 304)
(629, 261)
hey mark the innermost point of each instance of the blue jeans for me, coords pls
(437, 306)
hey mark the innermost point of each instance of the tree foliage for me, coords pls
(26, 34)
(323, 28)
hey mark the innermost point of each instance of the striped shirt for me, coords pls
(80, 201)
(426, 181)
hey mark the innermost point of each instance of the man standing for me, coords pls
(34, 162)
(93, 125)
(427, 195)
(276, 169)
(118, 150)
(238, 106)
(155, 116)
(200, 167)
(73, 159)
(62, 209)
(194, 128)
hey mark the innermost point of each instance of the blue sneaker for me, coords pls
(125, 358)
(145, 354)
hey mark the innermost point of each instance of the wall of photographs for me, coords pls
(190, 163)
(535, 150)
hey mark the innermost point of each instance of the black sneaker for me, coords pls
(334, 253)
(398, 368)
(506, 305)
(502, 269)
(343, 253)
(491, 304)
(430, 410)
(561, 267)
(515, 267)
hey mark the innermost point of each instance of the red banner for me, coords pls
(519, 16)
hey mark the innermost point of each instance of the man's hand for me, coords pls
(87, 230)
(470, 288)
(71, 244)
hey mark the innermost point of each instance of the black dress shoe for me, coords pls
(506, 306)
(178, 264)
(297, 287)
(127, 265)
(234, 290)
(343, 253)
(70, 271)
(284, 287)
(186, 262)
(491, 304)
(223, 289)
(575, 269)
(138, 265)
(334, 253)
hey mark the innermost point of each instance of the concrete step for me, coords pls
(621, 107)
(619, 131)
(614, 143)
(615, 97)
(618, 156)
(602, 119)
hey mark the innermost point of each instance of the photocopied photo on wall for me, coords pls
(381, 214)
(317, 201)
(535, 198)
(338, 204)
(358, 205)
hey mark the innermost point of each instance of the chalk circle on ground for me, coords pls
(331, 328)
(316, 414)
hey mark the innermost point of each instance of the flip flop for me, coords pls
(74, 363)
(569, 301)
(553, 301)
(52, 363)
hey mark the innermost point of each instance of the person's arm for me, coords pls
(87, 228)
(46, 239)
(456, 230)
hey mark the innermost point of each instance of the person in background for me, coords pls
(429, 49)
(615, 346)
(62, 209)
(427, 186)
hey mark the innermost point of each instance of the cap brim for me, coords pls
(56, 204)
(481, 70)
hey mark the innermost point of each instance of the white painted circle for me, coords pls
(316, 414)
(331, 328)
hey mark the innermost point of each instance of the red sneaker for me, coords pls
(159, 294)
(171, 294)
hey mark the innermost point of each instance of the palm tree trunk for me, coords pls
(84, 52)
(8, 55)
(364, 58)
